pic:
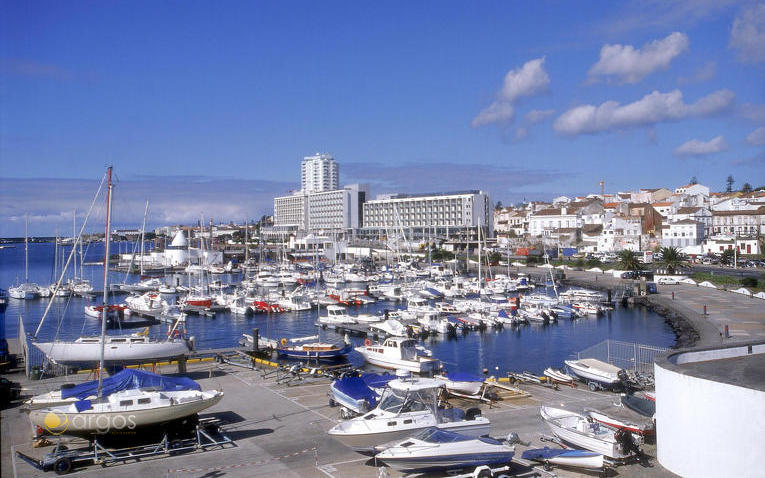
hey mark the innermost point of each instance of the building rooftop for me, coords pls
(740, 364)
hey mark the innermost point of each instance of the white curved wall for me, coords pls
(707, 428)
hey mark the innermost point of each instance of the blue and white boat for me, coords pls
(565, 457)
(359, 393)
(437, 449)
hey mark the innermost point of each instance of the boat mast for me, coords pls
(74, 244)
(26, 248)
(143, 229)
(104, 312)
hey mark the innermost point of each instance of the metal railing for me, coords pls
(626, 355)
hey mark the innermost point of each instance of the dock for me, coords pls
(278, 426)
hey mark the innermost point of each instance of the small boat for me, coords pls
(644, 404)
(113, 311)
(359, 393)
(336, 315)
(406, 406)
(390, 327)
(398, 353)
(312, 350)
(593, 370)
(621, 422)
(565, 457)
(462, 382)
(435, 449)
(581, 431)
(558, 376)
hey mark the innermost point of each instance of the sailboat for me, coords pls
(124, 409)
(26, 290)
(118, 349)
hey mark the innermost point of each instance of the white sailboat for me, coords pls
(124, 410)
(113, 350)
(26, 290)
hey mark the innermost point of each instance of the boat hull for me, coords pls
(93, 422)
(605, 445)
(366, 442)
(73, 353)
(447, 460)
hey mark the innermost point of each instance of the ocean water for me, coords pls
(531, 347)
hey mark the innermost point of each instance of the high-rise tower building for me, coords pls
(319, 173)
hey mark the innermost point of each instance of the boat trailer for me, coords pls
(206, 435)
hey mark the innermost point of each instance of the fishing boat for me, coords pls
(558, 376)
(462, 382)
(580, 431)
(359, 393)
(565, 457)
(435, 449)
(407, 405)
(336, 315)
(593, 370)
(399, 353)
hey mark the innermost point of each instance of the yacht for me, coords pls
(399, 353)
(406, 406)
(336, 315)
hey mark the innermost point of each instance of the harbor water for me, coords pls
(519, 348)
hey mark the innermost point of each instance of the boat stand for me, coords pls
(62, 460)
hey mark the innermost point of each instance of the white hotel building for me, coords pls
(319, 173)
(425, 214)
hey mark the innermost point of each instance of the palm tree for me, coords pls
(627, 261)
(671, 259)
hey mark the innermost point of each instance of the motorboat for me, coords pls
(336, 315)
(435, 449)
(312, 350)
(125, 379)
(565, 457)
(406, 406)
(123, 411)
(399, 353)
(594, 370)
(150, 303)
(619, 419)
(462, 383)
(390, 327)
(581, 431)
(558, 376)
(114, 312)
(359, 393)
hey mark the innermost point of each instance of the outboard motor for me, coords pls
(191, 342)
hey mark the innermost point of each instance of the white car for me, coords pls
(668, 281)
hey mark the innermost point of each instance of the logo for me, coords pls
(55, 423)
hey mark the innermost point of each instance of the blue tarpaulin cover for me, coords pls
(355, 388)
(81, 405)
(130, 379)
(375, 380)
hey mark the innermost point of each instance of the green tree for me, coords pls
(626, 260)
(727, 257)
(498, 206)
(746, 188)
(494, 257)
(593, 262)
(694, 180)
(729, 183)
(671, 260)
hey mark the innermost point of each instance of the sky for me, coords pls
(205, 109)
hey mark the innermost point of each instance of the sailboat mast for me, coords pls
(26, 248)
(143, 229)
(74, 245)
(105, 311)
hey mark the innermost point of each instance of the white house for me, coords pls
(682, 233)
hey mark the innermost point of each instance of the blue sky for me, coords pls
(206, 108)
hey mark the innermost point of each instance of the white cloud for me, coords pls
(653, 108)
(631, 65)
(527, 80)
(756, 137)
(753, 112)
(658, 15)
(537, 116)
(747, 36)
(521, 133)
(697, 147)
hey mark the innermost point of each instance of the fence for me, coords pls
(626, 355)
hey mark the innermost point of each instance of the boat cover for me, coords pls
(547, 453)
(374, 380)
(433, 291)
(464, 377)
(356, 388)
(437, 435)
(130, 379)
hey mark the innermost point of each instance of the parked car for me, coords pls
(667, 280)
